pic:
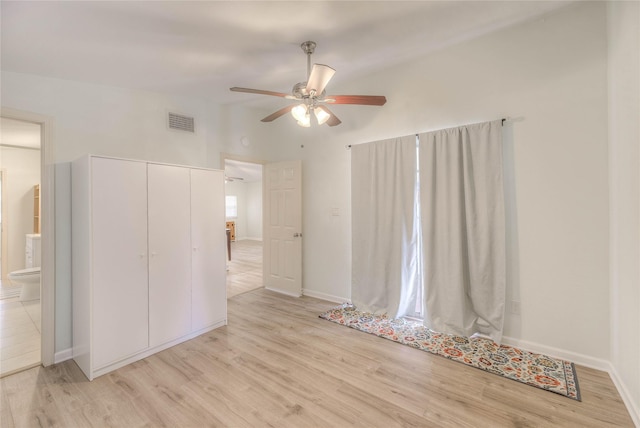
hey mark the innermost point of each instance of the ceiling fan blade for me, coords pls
(319, 77)
(258, 91)
(367, 100)
(333, 119)
(281, 112)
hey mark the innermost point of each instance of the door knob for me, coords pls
(297, 235)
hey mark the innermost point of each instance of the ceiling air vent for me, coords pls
(181, 122)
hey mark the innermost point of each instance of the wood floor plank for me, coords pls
(244, 271)
(277, 364)
(6, 417)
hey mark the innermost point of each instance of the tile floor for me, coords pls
(19, 335)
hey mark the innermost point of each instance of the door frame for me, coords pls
(47, 203)
(4, 270)
(247, 159)
(239, 158)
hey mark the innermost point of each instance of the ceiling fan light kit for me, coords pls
(300, 113)
(321, 115)
(311, 95)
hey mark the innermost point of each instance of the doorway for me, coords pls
(20, 308)
(243, 197)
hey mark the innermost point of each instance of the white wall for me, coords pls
(550, 73)
(22, 168)
(624, 167)
(106, 121)
(249, 220)
(238, 190)
(254, 210)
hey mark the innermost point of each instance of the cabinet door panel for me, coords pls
(208, 237)
(119, 258)
(169, 253)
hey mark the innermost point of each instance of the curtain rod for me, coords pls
(504, 119)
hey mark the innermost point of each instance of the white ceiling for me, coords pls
(248, 172)
(20, 134)
(201, 48)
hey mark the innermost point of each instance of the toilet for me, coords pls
(29, 279)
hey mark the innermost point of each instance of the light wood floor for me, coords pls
(20, 321)
(244, 271)
(277, 364)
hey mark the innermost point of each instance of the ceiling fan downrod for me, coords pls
(308, 47)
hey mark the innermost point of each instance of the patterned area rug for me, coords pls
(537, 370)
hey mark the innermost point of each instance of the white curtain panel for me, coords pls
(463, 229)
(384, 260)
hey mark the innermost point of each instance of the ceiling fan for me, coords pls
(311, 95)
(228, 179)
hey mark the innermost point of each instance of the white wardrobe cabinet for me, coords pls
(148, 259)
(208, 261)
(169, 253)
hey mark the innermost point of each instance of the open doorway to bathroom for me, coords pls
(20, 310)
(243, 197)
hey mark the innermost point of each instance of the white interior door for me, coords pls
(283, 227)
(208, 241)
(169, 202)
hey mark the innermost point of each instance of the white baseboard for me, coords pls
(285, 292)
(324, 296)
(150, 351)
(64, 355)
(632, 405)
(583, 360)
(574, 357)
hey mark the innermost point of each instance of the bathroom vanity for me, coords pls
(148, 258)
(32, 250)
